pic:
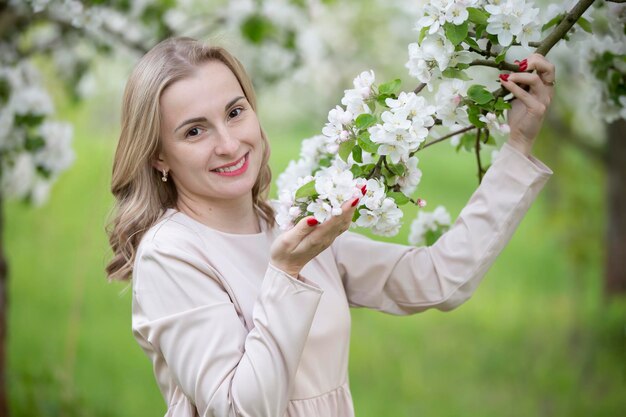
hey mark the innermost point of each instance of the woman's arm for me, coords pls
(400, 279)
(403, 280)
(184, 313)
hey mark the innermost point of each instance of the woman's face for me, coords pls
(211, 140)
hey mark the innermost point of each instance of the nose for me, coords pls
(227, 143)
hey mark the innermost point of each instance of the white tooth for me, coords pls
(233, 167)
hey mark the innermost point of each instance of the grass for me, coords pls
(537, 339)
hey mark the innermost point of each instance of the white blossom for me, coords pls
(56, 155)
(491, 120)
(438, 220)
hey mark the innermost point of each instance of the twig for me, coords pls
(483, 53)
(458, 132)
(376, 168)
(480, 167)
(562, 28)
(489, 63)
(419, 88)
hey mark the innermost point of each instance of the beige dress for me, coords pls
(230, 335)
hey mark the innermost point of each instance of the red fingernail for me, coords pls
(354, 203)
(312, 222)
(523, 67)
(364, 189)
(504, 77)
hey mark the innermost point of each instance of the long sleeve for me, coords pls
(182, 310)
(401, 279)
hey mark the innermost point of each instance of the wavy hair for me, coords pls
(141, 198)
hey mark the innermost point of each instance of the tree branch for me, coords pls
(419, 88)
(376, 168)
(477, 148)
(501, 66)
(448, 136)
(562, 28)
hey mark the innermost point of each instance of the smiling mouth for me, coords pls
(233, 167)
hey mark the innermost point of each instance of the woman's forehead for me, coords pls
(209, 87)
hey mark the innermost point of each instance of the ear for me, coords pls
(159, 163)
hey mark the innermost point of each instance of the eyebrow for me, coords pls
(204, 119)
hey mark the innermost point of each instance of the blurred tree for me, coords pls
(276, 38)
(299, 39)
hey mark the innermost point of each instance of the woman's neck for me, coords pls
(237, 217)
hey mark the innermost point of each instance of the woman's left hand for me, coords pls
(529, 108)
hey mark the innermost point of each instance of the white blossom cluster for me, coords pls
(100, 22)
(593, 48)
(509, 20)
(335, 184)
(33, 149)
(513, 19)
(287, 31)
(405, 126)
(379, 212)
(437, 221)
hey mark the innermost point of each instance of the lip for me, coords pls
(240, 171)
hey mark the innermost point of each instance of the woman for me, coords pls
(238, 319)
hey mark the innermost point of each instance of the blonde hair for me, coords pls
(141, 196)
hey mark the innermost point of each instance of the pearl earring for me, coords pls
(164, 177)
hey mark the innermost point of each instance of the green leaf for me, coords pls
(365, 120)
(398, 197)
(477, 16)
(501, 56)
(552, 22)
(345, 148)
(34, 143)
(432, 236)
(256, 28)
(479, 29)
(391, 87)
(366, 144)
(468, 141)
(356, 170)
(471, 42)
(422, 35)
(356, 215)
(473, 114)
(455, 73)
(479, 94)
(585, 24)
(398, 169)
(307, 190)
(357, 154)
(456, 33)
(381, 99)
(325, 162)
(29, 119)
(501, 105)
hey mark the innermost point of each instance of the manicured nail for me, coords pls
(312, 222)
(364, 189)
(355, 202)
(504, 77)
(523, 64)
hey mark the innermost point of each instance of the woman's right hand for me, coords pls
(297, 246)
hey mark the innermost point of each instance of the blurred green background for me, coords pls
(537, 339)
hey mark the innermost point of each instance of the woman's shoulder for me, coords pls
(171, 230)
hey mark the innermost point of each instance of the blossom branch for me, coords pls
(419, 88)
(376, 169)
(562, 28)
(448, 136)
(501, 66)
(477, 149)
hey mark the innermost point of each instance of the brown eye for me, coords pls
(234, 113)
(194, 131)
